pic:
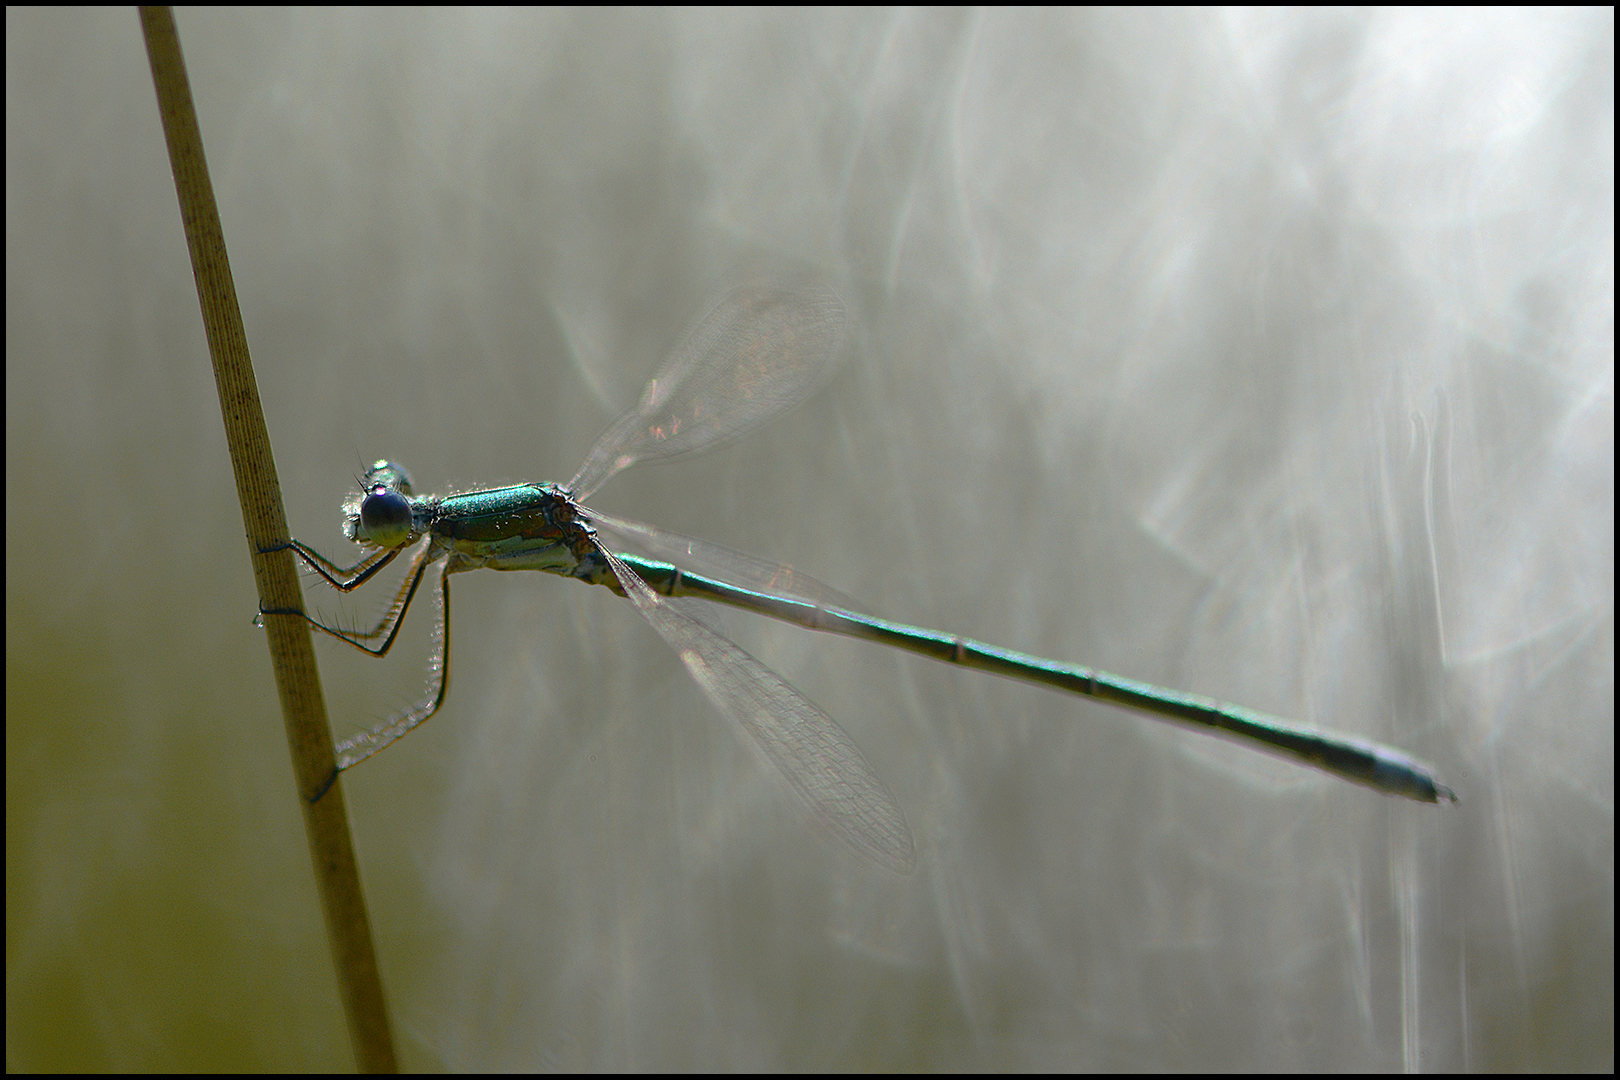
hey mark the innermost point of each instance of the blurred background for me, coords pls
(1264, 356)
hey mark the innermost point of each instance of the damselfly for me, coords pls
(758, 352)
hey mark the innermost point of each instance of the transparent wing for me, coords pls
(719, 562)
(822, 765)
(758, 352)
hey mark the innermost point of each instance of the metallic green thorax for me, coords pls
(523, 527)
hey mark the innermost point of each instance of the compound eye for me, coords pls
(385, 518)
(388, 474)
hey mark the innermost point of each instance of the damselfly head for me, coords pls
(380, 516)
(387, 474)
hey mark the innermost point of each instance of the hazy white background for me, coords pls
(1264, 356)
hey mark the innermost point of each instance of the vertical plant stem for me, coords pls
(302, 704)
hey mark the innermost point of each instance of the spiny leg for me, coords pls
(391, 619)
(345, 578)
(353, 750)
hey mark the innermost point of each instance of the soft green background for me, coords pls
(1264, 356)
